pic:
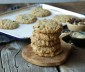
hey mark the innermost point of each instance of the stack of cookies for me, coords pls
(45, 38)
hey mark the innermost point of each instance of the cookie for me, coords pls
(62, 18)
(26, 19)
(8, 24)
(46, 37)
(48, 54)
(47, 26)
(47, 51)
(39, 42)
(40, 12)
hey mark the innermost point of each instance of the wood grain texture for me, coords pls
(59, 59)
(76, 62)
(12, 61)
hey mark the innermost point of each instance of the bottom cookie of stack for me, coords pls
(47, 51)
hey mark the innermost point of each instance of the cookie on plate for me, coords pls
(62, 18)
(8, 24)
(47, 26)
(26, 19)
(40, 12)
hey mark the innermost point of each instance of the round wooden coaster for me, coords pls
(29, 56)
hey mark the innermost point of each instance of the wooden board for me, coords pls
(28, 55)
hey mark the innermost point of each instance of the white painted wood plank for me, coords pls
(12, 60)
(8, 55)
(8, 60)
(75, 63)
(1, 65)
(31, 68)
(1, 68)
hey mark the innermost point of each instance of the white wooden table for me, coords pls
(12, 61)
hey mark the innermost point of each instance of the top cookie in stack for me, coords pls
(45, 38)
(47, 26)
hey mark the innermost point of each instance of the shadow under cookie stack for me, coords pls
(45, 39)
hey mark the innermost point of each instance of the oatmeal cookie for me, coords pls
(47, 51)
(8, 24)
(49, 54)
(26, 19)
(62, 18)
(40, 12)
(44, 49)
(39, 42)
(47, 37)
(47, 26)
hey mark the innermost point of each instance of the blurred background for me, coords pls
(72, 5)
